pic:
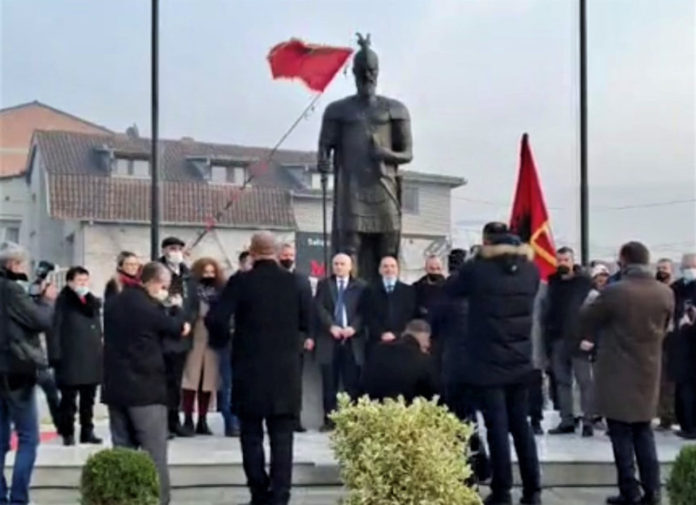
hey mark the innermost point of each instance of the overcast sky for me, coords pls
(475, 74)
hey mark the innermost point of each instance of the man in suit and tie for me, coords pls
(340, 343)
(389, 304)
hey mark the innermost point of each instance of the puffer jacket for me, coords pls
(501, 284)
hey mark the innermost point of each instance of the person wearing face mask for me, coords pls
(136, 325)
(75, 352)
(201, 373)
(567, 291)
(286, 259)
(683, 349)
(429, 287)
(181, 289)
(389, 304)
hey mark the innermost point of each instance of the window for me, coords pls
(410, 201)
(236, 175)
(224, 174)
(11, 234)
(316, 181)
(128, 167)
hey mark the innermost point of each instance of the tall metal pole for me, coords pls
(154, 166)
(325, 233)
(584, 192)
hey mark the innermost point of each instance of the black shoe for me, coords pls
(171, 436)
(68, 440)
(587, 431)
(300, 429)
(651, 499)
(498, 500)
(202, 427)
(536, 428)
(90, 438)
(531, 498)
(183, 431)
(686, 435)
(563, 429)
(622, 500)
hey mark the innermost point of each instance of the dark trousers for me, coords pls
(463, 401)
(47, 383)
(686, 406)
(265, 489)
(366, 249)
(342, 371)
(629, 441)
(536, 397)
(174, 364)
(505, 412)
(68, 409)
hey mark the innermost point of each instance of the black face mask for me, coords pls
(208, 281)
(662, 276)
(563, 270)
(15, 276)
(286, 264)
(434, 278)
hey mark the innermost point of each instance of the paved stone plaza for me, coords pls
(207, 470)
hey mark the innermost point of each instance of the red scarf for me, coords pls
(128, 280)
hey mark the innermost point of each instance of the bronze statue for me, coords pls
(369, 136)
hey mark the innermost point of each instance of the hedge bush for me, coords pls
(119, 477)
(396, 454)
(682, 481)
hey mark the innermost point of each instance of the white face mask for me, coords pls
(175, 257)
(689, 274)
(81, 291)
(162, 295)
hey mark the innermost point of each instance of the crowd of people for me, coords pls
(489, 339)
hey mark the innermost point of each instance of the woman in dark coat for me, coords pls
(127, 274)
(75, 352)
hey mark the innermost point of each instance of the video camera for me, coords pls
(43, 270)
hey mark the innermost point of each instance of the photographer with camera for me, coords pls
(22, 319)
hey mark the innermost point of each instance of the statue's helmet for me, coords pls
(365, 58)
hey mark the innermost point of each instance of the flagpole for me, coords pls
(154, 110)
(584, 191)
(218, 215)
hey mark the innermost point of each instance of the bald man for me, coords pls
(340, 341)
(269, 317)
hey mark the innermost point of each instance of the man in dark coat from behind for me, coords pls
(630, 320)
(75, 352)
(402, 367)
(269, 317)
(136, 325)
(501, 283)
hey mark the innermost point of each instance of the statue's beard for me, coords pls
(367, 88)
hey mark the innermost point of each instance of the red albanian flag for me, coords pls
(530, 219)
(315, 65)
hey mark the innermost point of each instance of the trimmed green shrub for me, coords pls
(396, 454)
(119, 477)
(682, 481)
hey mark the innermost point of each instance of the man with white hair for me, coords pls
(340, 339)
(22, 320)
